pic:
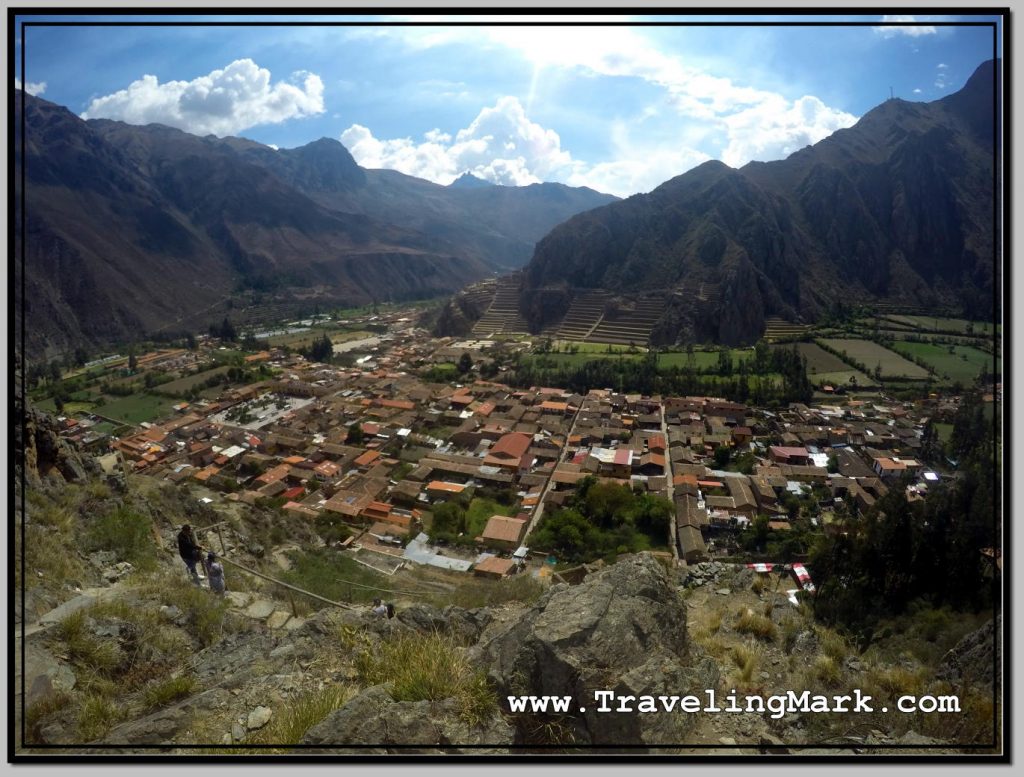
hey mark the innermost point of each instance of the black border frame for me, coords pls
(1001, 205)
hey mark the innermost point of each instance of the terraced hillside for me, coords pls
(502, 316)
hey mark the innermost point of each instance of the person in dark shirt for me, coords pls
(189, 551)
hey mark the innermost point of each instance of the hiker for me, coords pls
(215, 570)
(379, 608)
(189, 551)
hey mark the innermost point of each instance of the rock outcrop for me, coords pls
(376, 720)
(975, 657)
(623, 630)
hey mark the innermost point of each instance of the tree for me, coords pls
(80, 356)
(722, 456)
(321, 349)
(355, 434)
(833, 463)
(465, 363)
(227, 331)
(190, 341)
(132, 360)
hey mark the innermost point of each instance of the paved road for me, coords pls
(539, 509)
(670, 489)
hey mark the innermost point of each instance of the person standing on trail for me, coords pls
(379, 609)
(189, 551)
(215, 571)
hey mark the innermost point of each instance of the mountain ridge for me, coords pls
(141, 229)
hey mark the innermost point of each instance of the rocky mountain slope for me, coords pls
(135, 229)
(898, 208)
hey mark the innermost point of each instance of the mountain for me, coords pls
(469, 181)
(897, 209)
(134, 230)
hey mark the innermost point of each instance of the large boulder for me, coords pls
(376, 720)
(624, 630)
(975, 658)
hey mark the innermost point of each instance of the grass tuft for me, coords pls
(96, 716)
(163, 692)
(756, 625)
(291, 722)
(429, 667)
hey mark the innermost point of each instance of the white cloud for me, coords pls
(917, 91)
(903, 25)
(504, 146)
(222, 103)
(500, 145)
(757, 123)
(32, 88)
(776, 128)
(942, 66)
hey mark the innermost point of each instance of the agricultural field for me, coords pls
(824, 367)
(953, 363)
(184, 385)
(873, 355)
(702, 360)
(305, 339)
(137, 408)
(951, 325)
(599, 348)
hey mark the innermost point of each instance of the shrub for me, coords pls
(757, 625)
(429, 667)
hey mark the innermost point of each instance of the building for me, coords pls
(509, 451)
(503, 532)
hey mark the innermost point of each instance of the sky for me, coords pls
(601, 101)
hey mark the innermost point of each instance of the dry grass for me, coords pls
(746, 659)
(164, 692)
(97, 714)
(832, 644)
(429, 667)
(291, 722)
(756, 625)
(826, 670)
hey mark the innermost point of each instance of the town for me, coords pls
(399, 451)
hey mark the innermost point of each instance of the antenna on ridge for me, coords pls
(890, 93)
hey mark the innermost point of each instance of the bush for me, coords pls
(127, 533)
(832, 644)
(431, 667)
(83, 648)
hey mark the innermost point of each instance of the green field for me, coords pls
(826, 368)
(964, 364)
(951, 325)
(702, 360)
(872, 354)
(137, 408)
(581, 347)
(305, 339)
(183, 385)
(480, 511)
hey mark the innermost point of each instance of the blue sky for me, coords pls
(619, 108)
